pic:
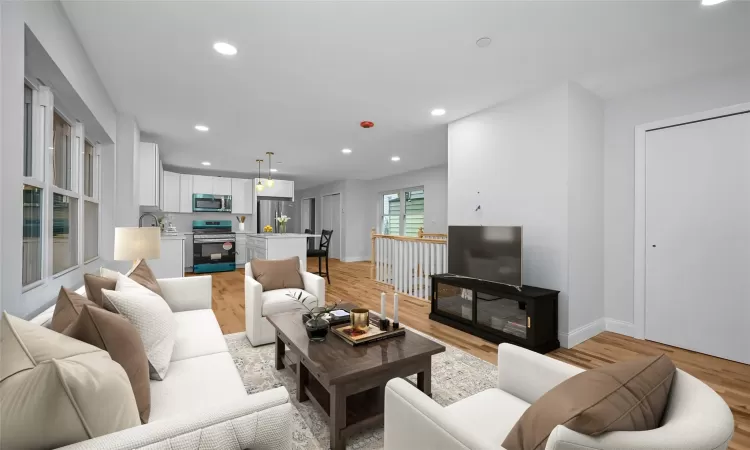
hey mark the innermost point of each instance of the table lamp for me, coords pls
(137, 243)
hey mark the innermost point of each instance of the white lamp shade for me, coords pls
(137, 243)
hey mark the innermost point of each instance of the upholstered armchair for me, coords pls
(259, 304)
(696, 417)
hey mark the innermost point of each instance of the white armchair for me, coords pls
(696, 417)
(259, 304)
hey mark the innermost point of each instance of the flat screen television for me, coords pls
(486, 253)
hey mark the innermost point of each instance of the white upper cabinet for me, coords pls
(242, 196)
(171, 188)
(203, 184)
(212, 185)
(150, 171)
(222, 186)
(186, 194)
(280, 189)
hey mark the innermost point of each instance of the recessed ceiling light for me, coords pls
(201, 128)
(711, 2)
(346, 151)
(225, 49)
(206, 163)
(483, 42)
(438, 112)
(395, 158)
(274, 170)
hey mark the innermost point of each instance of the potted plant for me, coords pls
(317, 325)
(282, 220)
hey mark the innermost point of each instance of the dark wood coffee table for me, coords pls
(348, 383)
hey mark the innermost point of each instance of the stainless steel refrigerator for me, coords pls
(268, 209)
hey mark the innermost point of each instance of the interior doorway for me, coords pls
(307, 219)
(330, 219)
(697, 236)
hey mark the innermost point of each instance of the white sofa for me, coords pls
(696, 417)
(259, 304)
(202, 403)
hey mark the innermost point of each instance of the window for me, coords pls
(31, 271)
(391, 214)
(27, 129)
(61, 153)
(413, 212)
(64, 232)
(88, 169)
(402, 212)
(91, 230)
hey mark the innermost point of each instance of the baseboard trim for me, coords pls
(582, 333)
(620, 327)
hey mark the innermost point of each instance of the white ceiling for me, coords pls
(308, 72)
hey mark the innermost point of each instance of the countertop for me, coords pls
(279, 235)
(173, 237)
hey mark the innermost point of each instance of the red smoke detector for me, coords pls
(366, 124)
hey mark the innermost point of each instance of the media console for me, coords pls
(525, 316)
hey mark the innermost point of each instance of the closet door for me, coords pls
(698, 237)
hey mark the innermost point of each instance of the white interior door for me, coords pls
(698, 237)
(331, 220)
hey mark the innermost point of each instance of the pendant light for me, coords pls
(269, 182)
(259, 185)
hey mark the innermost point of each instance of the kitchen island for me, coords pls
(274, 246)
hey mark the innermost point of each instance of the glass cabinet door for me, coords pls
(454, 300)
(502, 313)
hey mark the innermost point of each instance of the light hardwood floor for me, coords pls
(351, 282)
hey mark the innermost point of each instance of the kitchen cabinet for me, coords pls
(171, 263)
(171, 192)
(240, 258)
(242, 196)
(212, 185)
(222, 186)
(188, 253)
(186, 195)
(280, 189)
(149, 166)
(203, 184)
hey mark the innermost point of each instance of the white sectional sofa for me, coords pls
(202, 403)
(696, 417)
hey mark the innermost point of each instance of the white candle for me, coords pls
(395, 308)
(382, 305)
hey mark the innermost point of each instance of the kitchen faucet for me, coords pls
(140, 219)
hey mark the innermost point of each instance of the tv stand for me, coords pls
(525, 316)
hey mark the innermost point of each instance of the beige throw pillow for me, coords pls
(275, 274)
(67, 308)
(151, 317)
(141, 273)
(94, 285)
(118, 337)
(56, 390)
(626, 396)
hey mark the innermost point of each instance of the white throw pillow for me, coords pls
(152, 318)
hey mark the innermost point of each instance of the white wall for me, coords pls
(11, 162)
(49, 23)
(513, 161)
(621, 118)
(537, 162)
(585, 212)
(127, 190)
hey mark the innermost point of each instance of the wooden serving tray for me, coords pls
(372, 335)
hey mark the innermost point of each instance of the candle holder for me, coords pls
(384, 324)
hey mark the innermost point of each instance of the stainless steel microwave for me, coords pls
(212, 203)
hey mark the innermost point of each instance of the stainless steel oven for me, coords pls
(214, 246)
(212, 203)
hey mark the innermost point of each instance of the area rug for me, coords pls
(455, 375)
